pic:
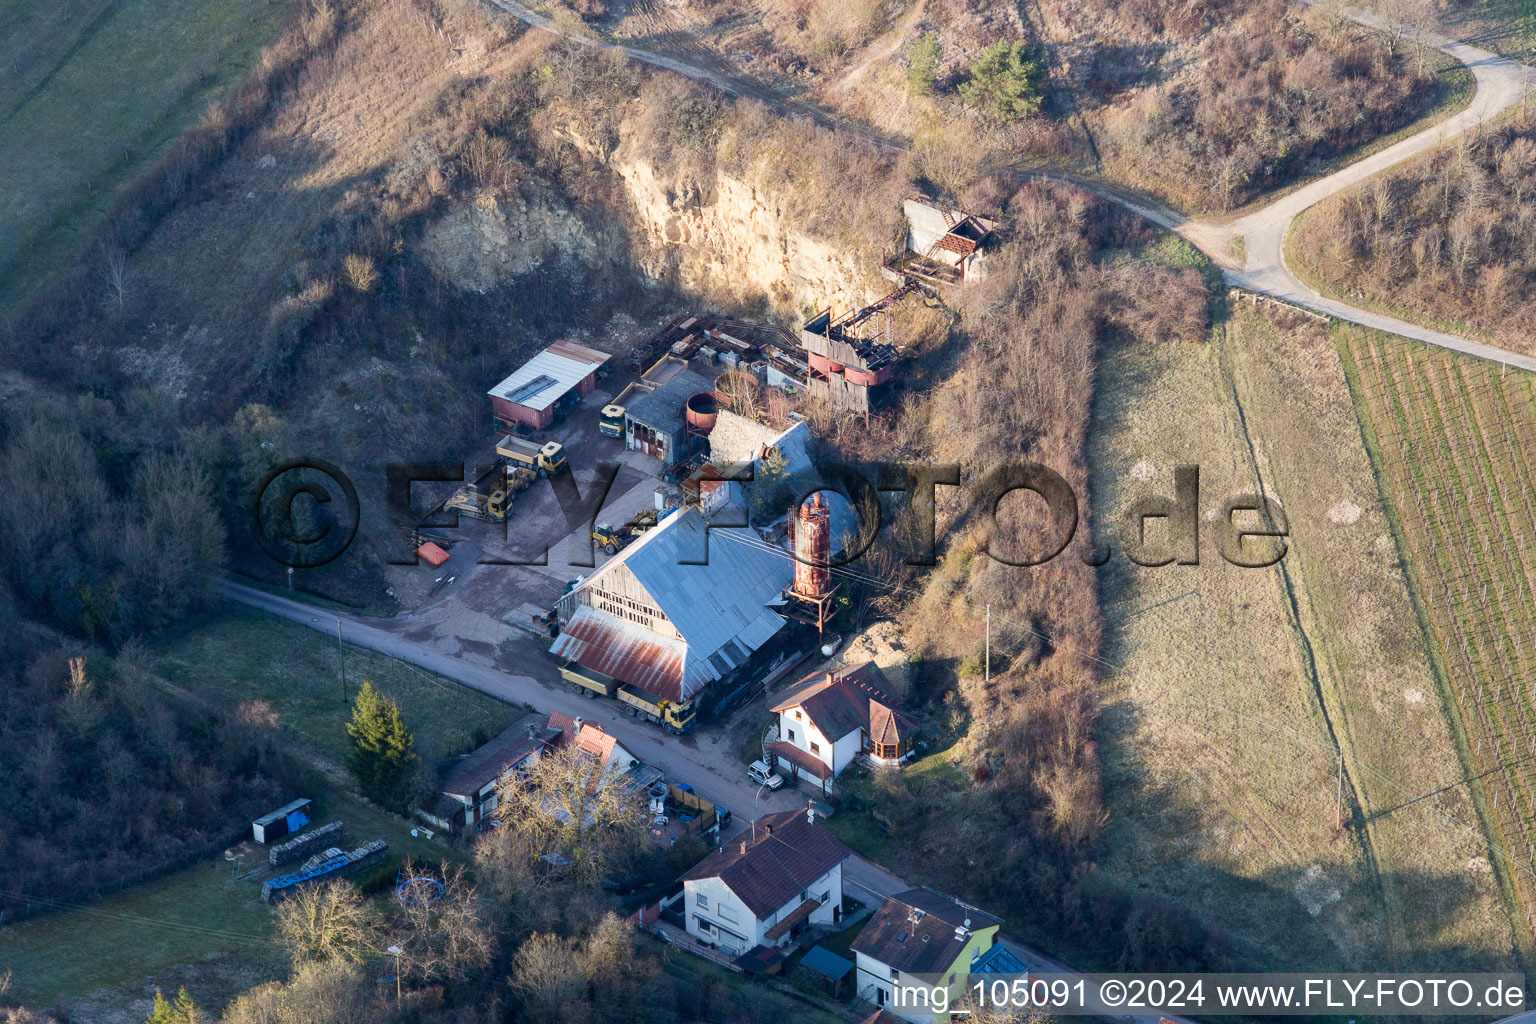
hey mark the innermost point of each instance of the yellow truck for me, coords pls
(679, 717)
(471, 501)
(547, 458)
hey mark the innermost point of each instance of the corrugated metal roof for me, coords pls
(662, 409)
(565, 363)
(625, 650)
(720, 607)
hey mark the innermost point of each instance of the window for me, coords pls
(815, 748)
(726, 912)
(825, 897)
(700, 899)
(704, 924)
(791, 735)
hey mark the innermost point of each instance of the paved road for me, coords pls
(1501, 83)
(708, 762)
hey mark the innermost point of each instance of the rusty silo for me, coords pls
(813, 548)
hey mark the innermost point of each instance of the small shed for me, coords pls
(286, 820)
(656, 423)
(560, 375)
(831, 969)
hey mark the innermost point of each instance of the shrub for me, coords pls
(361, 272)
(1005, 80)
(924, 62)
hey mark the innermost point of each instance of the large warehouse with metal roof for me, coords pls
(532, 394)
(650, 619)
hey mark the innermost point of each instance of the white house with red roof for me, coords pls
(828, 719)
(767, 886)
(589, 739)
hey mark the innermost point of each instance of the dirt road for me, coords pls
(1501, 83)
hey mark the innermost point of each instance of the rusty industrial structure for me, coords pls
(809, 597)
(946, 245)
(851, 359)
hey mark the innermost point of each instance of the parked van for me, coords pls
(761, 774)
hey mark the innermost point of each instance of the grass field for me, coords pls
(242, 654)
(1448, 433)
(93, 91)
(195, 924)
(1231, 693)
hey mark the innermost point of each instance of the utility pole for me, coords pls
(341, 652)
(988, 670)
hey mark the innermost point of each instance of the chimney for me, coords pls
(533, 731)
(578, 725)
(743, 846)
(767, 830)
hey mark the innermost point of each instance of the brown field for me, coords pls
(1232, 693)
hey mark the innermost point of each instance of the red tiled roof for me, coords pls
(889, 725)
(590, 739)
(790, 853)
(837, 704)
(801, 758)
(880, 1017)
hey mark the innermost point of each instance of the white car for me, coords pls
(761, 774)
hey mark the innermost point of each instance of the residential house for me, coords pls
(924, 932)
(766, 886)
(531, 395)
(469, 785)
(679, 608)
(829, 718)
(590, 739)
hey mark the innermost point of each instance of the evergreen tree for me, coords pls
(1006, 80)
(382, 758)
(924, 57)
(162, 1012)
(182, 1011)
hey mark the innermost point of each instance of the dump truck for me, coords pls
(470, 501)
(611, 422)
(612, 538)
(675, 716)
(548, 458)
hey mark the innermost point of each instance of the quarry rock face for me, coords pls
(494, 240)
(727, 234)
(723, 239)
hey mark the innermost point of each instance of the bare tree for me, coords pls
(115, 276)
(444, 936)
(570, 812)
(326, 923)
(545, 976)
